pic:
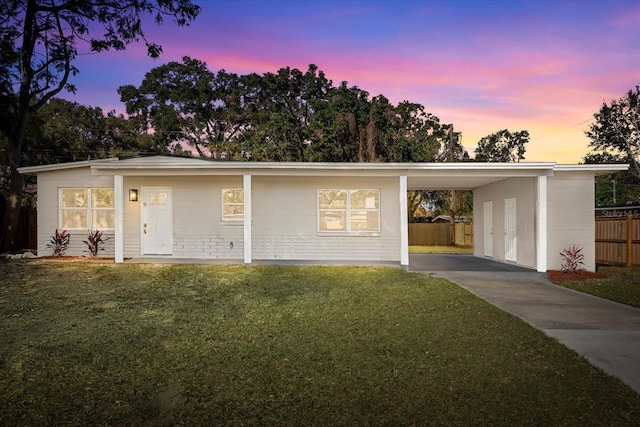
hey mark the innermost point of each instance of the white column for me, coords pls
(404, 222)
(541, 224)
(118, 193)
(248, 217)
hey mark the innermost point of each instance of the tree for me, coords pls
(615, 138)
(40, 40)
(65, 131)
(451, 148)
(415, 199)
(177, 102)
(283, 118)
(354, 128)
(616, 131)
(454, 202)
(290, 115)
(620, 188)
(502, 146)
(339, 126)
(415, 136)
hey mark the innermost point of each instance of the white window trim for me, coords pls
(348, 231)
(88, 208)
(223, 204)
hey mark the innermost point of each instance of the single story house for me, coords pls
(187, 208)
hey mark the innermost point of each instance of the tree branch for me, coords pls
(67, 68)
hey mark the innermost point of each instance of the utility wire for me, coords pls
(570, 127)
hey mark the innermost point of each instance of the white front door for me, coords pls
(157, 221)
(510, 237)
(488, 229)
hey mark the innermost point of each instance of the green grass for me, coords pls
(622, 285)
(468, 250)
(124, 344)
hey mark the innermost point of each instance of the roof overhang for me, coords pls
(419, 175)
(34, 170)
(593, 168)
(445, 176)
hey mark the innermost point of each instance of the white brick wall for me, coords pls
(208, 247)
(296, 247)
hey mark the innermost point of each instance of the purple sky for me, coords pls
(544, 66)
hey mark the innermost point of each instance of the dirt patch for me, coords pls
(560, 276)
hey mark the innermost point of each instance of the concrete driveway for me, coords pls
(604, 332)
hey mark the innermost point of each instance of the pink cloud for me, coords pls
(629, 18)
(479, 66)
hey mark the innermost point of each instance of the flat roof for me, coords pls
(461, 175)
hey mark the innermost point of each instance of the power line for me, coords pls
(570, 127)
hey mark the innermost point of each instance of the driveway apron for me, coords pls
(604, 332)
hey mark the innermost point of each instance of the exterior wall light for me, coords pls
(133, 195)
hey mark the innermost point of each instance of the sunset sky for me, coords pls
(543, 66)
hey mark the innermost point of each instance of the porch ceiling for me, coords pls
(450, 182)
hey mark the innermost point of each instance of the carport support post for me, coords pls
(118, 193)
(404, 223)
(541, 224)
(246, 187)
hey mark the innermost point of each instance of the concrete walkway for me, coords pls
(604, 332)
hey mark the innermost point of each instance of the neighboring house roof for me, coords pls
(464, 175)
(447, 218)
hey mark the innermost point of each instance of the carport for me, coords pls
(525, 214)
(528, 183)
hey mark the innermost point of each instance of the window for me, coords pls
(85, 208)
(349, 210)
(232, 204)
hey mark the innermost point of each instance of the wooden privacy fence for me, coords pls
(27, 232)
(618, 240)
(441, 234)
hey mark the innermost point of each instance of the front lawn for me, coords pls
(134, 344)
(622, 285)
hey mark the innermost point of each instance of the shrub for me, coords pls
(94, 242)
(59, 242)
(573, 259)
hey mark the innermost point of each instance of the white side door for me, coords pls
(156, 221)
(488, 229)
(510, 231)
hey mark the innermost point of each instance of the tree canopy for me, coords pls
(615, 134)
(502, 146)
(65, 131)
(40, 41)
(290, 115)
(615, 138)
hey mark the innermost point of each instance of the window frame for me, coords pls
(89, 209)
(223, 204)
(349, 212)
